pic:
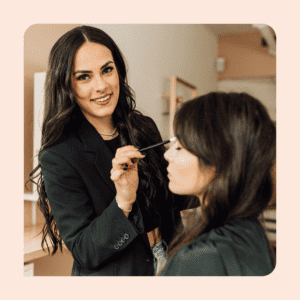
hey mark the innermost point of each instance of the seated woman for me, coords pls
(223, 155)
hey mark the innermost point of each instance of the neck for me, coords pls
(200, 197)
(102, 125)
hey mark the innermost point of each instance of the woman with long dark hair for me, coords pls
(107, 202)
(225, 149)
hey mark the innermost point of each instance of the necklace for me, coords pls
(111, 135)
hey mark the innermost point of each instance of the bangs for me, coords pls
(189, 129)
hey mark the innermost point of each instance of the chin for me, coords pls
(177, 190)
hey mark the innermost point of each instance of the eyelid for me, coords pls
(80, 77)
(108, 67)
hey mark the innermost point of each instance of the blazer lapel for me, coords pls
(93, 142)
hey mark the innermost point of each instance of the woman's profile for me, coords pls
(224, 152)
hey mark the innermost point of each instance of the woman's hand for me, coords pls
(124, 174)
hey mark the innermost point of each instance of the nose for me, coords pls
(167, 155)
(100, 84)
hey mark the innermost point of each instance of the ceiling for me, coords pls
(266, 31)
(219, 29)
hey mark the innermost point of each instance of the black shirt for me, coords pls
(113, 144)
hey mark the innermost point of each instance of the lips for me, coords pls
(168, 173)
(102, 99)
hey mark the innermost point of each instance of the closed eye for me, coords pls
(178, 148)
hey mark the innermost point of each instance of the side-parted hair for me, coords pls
(234, 133)
(62, 111)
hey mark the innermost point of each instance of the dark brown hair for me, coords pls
(63, 111)
(234, 133)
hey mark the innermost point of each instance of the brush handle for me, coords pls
(173, 139)
(150, 147)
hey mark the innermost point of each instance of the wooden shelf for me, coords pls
(31, 197)
(32, 243)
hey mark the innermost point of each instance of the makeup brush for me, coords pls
(173, 139)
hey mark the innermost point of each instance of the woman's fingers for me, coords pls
(124, 173)
(116, 174)
(126, 158)
(121, 162)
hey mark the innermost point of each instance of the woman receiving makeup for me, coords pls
(223, 156)
(106, 201)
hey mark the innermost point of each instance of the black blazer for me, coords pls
(102, 240)
(238, 248)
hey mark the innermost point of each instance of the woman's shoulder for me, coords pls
(223, 251)
(246, 235)
(143, 120)
(200, 258)
(66, 147)
(239, 232)
(147, 128)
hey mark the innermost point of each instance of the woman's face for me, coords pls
(186, 175)
(95, 81)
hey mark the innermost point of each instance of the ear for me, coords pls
(210, 173)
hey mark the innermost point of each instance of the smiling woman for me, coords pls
(114, 220)
(95, 82)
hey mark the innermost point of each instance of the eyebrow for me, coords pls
(85, 71)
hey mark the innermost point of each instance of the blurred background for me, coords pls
(210, 57)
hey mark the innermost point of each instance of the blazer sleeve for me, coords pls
(91, 239)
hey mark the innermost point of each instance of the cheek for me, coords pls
(82, 92)
(77, 90)
(186, 174)
(185, 164)
(116, 84)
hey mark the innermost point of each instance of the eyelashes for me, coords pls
(82, 77)
(85, 77)
(107, 70)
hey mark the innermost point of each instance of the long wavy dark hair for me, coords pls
(63, 110)
(234, 133)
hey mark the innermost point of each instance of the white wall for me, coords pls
(264, 89)
(155, 52)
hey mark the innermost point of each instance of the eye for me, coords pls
(82, 77)
(108, 70)
(178, 148)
